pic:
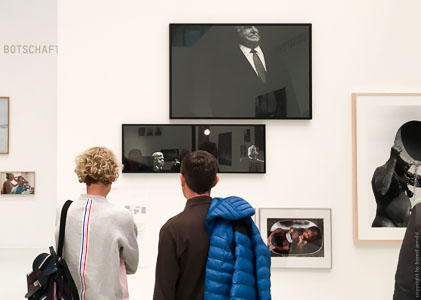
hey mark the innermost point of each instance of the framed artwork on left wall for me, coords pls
(17, 183)
(4, 125)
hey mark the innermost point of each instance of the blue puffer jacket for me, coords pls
(246, 274)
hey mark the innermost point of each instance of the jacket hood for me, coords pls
(230, 208)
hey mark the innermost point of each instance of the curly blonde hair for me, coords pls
(97, 164)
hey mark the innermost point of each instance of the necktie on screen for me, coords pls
(261, 72)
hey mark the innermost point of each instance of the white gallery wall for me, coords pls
(28, 75)
(113, 68)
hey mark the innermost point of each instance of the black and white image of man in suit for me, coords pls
(243, 71)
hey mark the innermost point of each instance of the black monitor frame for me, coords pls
(307, 115)
(193, 142)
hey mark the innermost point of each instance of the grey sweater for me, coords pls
(99, 234)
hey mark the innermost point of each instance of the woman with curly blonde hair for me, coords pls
(100, 244)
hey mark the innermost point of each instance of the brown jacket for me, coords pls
(182, 253)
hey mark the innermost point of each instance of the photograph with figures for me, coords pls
(237, 148)
(397, 181)
(17, 183)
(387, 163)
(295, 237)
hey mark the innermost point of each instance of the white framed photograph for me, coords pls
(386, 163)
(4, 125)
(297, 237)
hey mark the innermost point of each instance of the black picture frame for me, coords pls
(180, 139)
(211, 79)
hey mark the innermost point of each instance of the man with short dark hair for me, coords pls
(184, 240)
(193, 244)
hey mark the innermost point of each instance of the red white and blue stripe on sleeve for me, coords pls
(84, 248)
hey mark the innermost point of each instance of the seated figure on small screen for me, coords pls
(158, 161)
(252, 161)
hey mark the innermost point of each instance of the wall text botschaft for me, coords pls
(30, 49)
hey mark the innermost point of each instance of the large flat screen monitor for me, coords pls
(240, 71)
(155, 148)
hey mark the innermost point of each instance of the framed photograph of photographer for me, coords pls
(386, 163)
(297, 237)
(17, 183)
(4, 124)
(240, 71)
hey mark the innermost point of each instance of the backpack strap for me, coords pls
(62, 227)
(70, 284)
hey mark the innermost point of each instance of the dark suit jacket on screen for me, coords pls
(236, 90)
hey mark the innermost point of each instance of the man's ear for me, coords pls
(216, 180)
(182, 180)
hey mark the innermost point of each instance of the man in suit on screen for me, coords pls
(250, 82)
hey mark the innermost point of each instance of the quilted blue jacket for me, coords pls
(238, 265)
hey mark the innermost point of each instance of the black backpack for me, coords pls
(50, 278)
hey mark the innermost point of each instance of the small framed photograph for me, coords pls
(386, 163)
(297, 237)
(17, 183)
(4, 124)
(240, 71)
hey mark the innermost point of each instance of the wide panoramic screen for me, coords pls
(161, 148)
